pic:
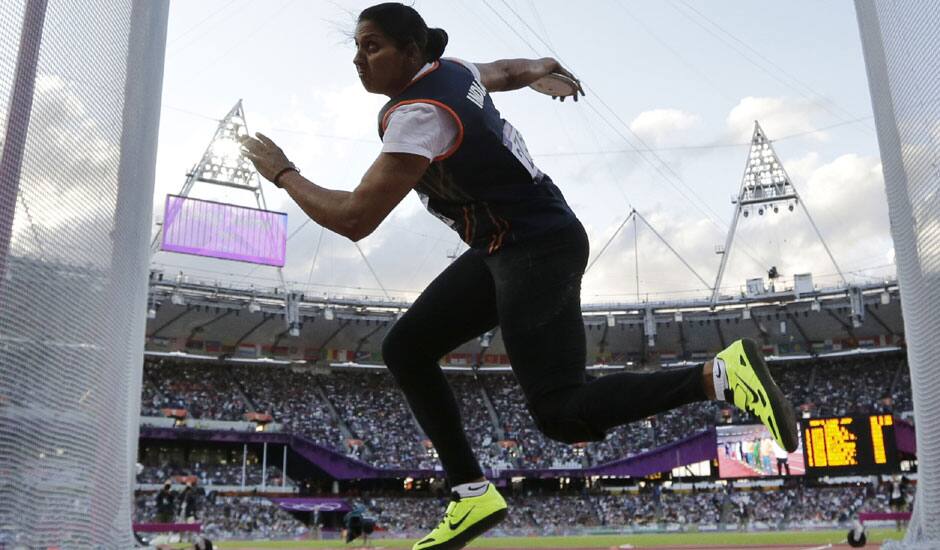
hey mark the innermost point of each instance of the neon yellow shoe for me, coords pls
(465, 519)
(751, 388)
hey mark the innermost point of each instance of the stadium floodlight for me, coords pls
(764, 186)
(227, 151)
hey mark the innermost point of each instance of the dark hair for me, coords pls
(404, 25)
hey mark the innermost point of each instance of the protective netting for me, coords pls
(901, 42)
(79, 107)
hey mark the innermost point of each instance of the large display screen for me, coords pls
(748, 450)
(850, 445)
(225, 231)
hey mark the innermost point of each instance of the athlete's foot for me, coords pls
(466, 518)
(743, 378)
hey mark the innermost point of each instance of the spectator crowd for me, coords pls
(652, 507)
(362, 413)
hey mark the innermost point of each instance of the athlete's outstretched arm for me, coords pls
(353, 214)
(511, 74)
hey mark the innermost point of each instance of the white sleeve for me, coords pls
(420, 129)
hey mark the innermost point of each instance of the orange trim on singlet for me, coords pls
(437, 103)
(502, 234)
(435, 66)
(468, 229)
(496, 241)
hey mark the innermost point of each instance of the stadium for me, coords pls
(193, 362)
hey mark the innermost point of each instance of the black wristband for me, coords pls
(277, 177)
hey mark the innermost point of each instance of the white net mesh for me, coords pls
(76, 180)
(901, 41)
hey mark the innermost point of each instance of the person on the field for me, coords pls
(443, 137)
(783, 459)
(166, 504)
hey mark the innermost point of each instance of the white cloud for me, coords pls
(661, 126)
(778, 116)
(847, 201)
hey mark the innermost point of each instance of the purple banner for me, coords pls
(312, 504)
(224, 231)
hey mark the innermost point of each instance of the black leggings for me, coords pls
(532, 291)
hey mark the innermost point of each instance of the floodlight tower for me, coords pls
(223, 164)
(765, 186)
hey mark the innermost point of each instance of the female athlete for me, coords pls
(443, 137)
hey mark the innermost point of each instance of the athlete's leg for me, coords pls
(457, 306)
(538, 289)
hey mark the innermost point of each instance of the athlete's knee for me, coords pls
(395, 348)
(405, 351)
(557, 417)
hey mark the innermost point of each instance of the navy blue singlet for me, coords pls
(486, 187)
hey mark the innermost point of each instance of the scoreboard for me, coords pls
(848, 445)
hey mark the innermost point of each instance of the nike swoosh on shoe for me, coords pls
(454, 526)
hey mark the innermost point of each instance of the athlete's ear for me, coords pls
(414, 53)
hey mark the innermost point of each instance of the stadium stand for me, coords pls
(250, 517)
(340, 409)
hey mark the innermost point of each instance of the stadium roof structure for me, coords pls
(204, 320)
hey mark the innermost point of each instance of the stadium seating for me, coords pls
(563, 513)
(346, 407)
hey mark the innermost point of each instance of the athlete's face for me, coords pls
(383, 67)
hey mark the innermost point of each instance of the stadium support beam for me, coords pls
(845, 326)
(721, 334)
(683, 344)
(17, 124)
(806, 341)
(671, 249)
(365, 339)
(334, 334)
(634, 215)
(200, 328)
(765, 184)
(171, 321)
(880, 321)
(251, 331)
(761, 331)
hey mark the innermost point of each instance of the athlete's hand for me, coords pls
(269, 160)
(565, 72)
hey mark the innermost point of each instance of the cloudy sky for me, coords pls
(674, 88)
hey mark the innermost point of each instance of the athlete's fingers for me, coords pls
(254, 157)
(266, 140)
(250, 143)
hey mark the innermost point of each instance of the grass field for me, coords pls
(790, 539)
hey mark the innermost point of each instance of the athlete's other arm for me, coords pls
(353, 214)
(511, 74)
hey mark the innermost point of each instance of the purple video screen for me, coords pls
(224, 231)
(750, 451)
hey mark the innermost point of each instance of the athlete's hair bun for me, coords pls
(437, 41)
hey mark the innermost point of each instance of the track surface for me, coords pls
(710, 547)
